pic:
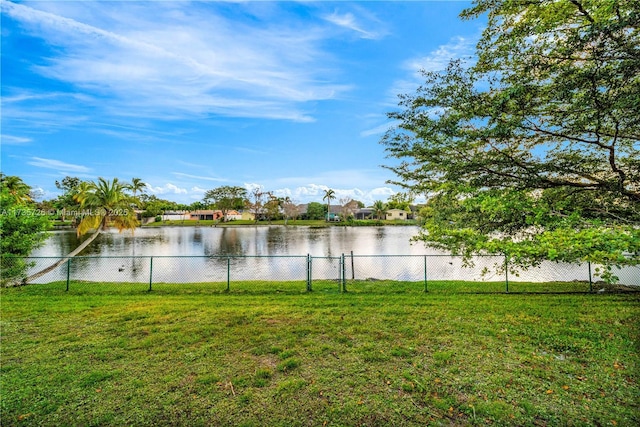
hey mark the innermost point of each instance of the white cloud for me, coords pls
(436, 60)
(57, 164)
(179, 60)
(251, 186)
(349, 21)
(315, 192)
(14, 140)
(199, 190)
(380, 129)
(299, 194)
(168, 188)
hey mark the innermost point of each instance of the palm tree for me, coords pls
(108, 204)
(136, 185)
(18, 190)
(379, 208)
(105, 203)
(328, 195)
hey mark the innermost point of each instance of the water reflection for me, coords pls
(184, 254)
(217, 241)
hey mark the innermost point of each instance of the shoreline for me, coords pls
(297, 223)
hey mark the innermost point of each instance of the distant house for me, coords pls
(395, 214)
(335, 213)
(247, 216)
(233, 216)
(205, 214)
(364, 213)
(176, 215)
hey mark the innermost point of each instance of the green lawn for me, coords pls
(183, 356)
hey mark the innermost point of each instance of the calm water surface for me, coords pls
(261, 240)
(196, 254)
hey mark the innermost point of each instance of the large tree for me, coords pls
(290, 208)
(256, 203)
(273, 206)
(316, 210)
(66, 202)
(136, 185)
(380, 209)
(329, 195)
(22, 228)
(103, 204)
(226, 198)
(533, 150)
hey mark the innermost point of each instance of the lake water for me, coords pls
(241, 241)
(208, 254)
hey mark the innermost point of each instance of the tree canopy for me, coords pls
(22, 227)
(316, 210)
(226, 198)
(533, 149)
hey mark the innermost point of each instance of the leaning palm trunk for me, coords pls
(61, 261)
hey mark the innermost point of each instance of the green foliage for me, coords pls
(400, 201)
(226, 198)
(272, 207)
(329, 195)
(380, 209)
(532, 151)
(106, 203)
(316, 210)
(22, 228)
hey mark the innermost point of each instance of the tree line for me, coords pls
(531, 150)
(94, 206)
(263, 204)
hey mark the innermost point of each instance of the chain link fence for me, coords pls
(305, 273)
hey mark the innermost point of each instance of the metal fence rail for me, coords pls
(343, 273)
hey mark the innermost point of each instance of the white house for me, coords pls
(176, 215)
(393, 214)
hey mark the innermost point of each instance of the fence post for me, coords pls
(343, 273)
(150, 272)
(68, 273)
(590, 281)
(353, 269)
(228, 273)
(308, 272)
(506, 271)
(425, 274)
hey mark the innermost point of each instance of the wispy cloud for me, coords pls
(14, 140)
(249, 150)
(199, 177)
(57, 165)
(378, 130)
(436, 60)
(350, 22)
(182, 60)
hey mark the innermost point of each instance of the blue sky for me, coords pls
(189, 96)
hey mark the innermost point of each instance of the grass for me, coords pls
(181, 355)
